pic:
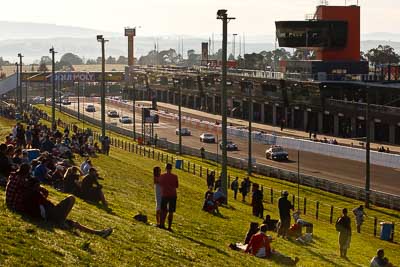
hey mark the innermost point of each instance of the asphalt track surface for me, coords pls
(340, 170)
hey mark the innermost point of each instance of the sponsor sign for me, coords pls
(75, 76)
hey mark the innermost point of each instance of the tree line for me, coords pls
(383, 54)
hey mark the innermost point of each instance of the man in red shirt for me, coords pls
(168, 185)
(259, 244)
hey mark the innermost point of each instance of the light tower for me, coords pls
(131, 33)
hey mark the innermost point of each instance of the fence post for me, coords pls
(167, 158)
(317, 210)
(158, 155)
(272, 196)
(294, 200)
(392, 235)
(162, 157)
(149, 152)
(188, 170)
(129, 147)
(305, 206)
(140, 150)
(201, 171)
(331, 215)
(194, 168)
(153, 153)
(375, 225)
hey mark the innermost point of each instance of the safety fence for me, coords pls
(376, 197)
(351, 153)
(315, 210)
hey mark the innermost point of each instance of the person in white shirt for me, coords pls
(85, 166)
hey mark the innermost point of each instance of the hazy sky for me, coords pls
(189, 16)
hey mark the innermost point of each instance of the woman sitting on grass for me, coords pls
(91, 189)
(25, 195)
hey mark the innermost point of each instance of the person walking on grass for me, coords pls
(343, 226)
(157, 191)
(359, 214)
(168, 185)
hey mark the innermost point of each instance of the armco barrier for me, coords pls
(377, 158)
(377, 198)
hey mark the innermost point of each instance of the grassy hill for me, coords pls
(199, 239)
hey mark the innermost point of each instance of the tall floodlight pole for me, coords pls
(367, 151)
(79, 109)
(17, 85)
(100, 39)
(134, 107)
(180, 117)
(53, 82)
(222, 15)
(20, 81)
(249, 162)
(234, 45)
(298, 179)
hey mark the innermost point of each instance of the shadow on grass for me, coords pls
(36, 222)
(229, 207)
(388, 213)
(325, 259)
(99, 206)
(220, 251)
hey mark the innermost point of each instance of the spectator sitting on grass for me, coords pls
(85, 166)
(41, 171)
(91, 189)
(271, 224)
(380, 260)
(259, 246)
(252, 231)
(219, 196)
(47, 145)
(5, 166)
(71, 181)
(209, 203)
(25, 195)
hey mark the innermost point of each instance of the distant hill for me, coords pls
(29, 30)
(35, 39)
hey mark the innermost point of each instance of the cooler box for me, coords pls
(387, 231)
(32, 153)
(178, 163)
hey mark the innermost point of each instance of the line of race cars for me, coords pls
(274, 152)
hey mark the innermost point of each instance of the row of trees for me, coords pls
(382, 54)
(67, 61)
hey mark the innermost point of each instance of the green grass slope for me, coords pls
(199, 239)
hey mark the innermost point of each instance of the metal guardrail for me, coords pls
(377, 198)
